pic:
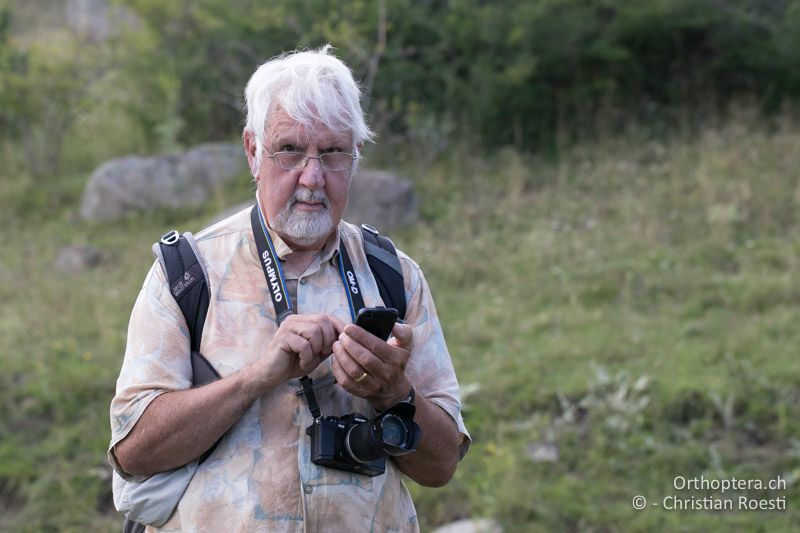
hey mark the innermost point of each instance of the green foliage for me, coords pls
(558, 67)
(208, 50)
(47, 84)
(553, 71)
(13, 82)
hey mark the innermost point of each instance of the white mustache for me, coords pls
(309, 196)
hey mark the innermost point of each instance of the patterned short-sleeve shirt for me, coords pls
(260, 477)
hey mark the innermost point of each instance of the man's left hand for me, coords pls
(358, 352)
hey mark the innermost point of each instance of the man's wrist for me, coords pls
(411, 397)
(253, 383)
(408, 394)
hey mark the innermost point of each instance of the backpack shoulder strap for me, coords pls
(188, 282)
(385, 266)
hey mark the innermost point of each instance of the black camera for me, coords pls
(357, 444)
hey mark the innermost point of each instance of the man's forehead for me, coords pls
(282, 127)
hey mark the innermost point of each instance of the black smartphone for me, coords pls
(377, 320)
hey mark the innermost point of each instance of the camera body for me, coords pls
(328, 445)
(360, 445)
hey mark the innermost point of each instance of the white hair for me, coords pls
(312, 87)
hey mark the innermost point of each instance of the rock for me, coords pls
(214, 164)
(477, 525)
(230, 211)
(543, 452)
(382, 199)
(74, 260)
(134, 183)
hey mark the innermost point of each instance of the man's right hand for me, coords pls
(301, 343)
(179, 426)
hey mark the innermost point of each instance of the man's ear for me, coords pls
(250, 143)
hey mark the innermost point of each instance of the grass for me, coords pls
(673, 262)
(631, 304)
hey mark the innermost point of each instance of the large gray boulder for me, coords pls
(135, 183)
(382, 199)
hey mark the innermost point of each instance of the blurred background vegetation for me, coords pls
(628, 174)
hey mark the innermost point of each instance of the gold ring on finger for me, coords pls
(362, 377)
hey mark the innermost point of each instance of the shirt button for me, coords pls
(303, 281)
(308, 489)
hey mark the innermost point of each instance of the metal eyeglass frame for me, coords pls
(307, 157)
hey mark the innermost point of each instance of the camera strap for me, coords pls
(350, 282)
(276, 285)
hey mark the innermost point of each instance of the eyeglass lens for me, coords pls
(330, 161)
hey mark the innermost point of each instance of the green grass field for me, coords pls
(619, 315)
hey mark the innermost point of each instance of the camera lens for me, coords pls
(362, 444)
(393, 430)
(386, 434)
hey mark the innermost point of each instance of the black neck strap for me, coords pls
(276, 286)
(350, 281)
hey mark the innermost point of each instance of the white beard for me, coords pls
(303, 227)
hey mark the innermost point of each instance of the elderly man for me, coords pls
(304, 131)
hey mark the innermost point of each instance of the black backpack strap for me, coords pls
(188, 282)
(385, 266)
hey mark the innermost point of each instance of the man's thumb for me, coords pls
(403, 336)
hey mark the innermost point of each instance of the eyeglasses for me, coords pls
(329, 161)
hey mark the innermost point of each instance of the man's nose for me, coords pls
(312, 175)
